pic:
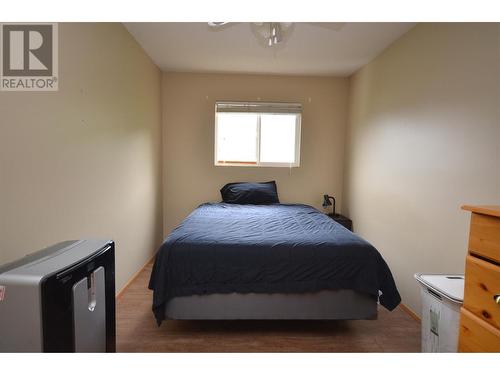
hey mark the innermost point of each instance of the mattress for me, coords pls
(225, 248)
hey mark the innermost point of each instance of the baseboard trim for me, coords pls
(134, 276)
(410, 312)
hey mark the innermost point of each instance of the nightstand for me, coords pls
(341, 219)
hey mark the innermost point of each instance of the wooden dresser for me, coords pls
(480, 314)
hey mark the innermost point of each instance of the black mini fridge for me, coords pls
(60, 299)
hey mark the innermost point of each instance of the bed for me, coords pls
(269, 261)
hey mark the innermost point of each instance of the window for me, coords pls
(257, 134)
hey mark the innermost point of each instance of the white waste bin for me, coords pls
(442, 297)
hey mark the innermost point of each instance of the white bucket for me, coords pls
(442, 297)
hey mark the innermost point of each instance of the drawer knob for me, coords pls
(496, 297)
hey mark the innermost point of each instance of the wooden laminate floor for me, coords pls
(137, 331)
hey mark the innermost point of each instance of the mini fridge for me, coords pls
(60, 299)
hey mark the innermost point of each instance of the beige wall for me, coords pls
(85, 161)
(188, 128)
(424, 138)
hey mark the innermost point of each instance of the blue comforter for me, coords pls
(278, 248)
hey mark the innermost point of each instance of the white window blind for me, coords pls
(257, 134)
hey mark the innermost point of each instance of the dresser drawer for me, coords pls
(482, 283)
(484, 239)
(476, 335)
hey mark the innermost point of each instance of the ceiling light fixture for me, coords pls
(272, 34)
(275, 34)
(269, 34)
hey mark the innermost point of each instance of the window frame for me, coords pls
(254, 105)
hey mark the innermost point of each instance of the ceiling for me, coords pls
(311, 49)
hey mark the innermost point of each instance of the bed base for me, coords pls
(339, 304)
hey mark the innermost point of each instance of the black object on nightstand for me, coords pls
(341, 219)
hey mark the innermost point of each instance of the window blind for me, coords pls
(258, 107)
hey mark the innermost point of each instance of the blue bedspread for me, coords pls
(278, 248)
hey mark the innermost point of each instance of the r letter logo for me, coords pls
(29, 57)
